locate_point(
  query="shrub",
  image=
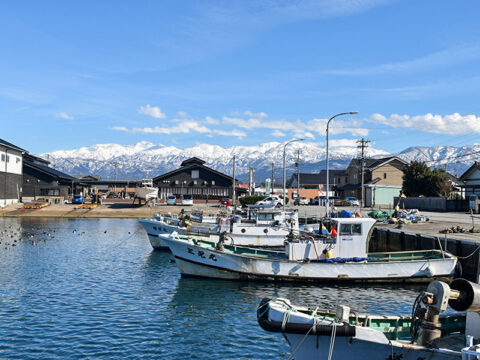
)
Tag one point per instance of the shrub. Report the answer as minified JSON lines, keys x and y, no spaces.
{"x":250,"y":200}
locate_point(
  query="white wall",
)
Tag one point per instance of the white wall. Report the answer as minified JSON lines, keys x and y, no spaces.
{"x":14,"y":163}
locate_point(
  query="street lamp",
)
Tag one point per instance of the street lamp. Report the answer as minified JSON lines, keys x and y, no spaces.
{"x":285,"y":171}
{"x":328,"y":169}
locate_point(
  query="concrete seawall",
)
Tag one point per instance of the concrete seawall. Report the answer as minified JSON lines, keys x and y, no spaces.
{"x":384,"y":239}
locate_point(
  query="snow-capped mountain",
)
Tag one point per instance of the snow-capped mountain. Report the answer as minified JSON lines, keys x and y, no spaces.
{"x":134,"y":160}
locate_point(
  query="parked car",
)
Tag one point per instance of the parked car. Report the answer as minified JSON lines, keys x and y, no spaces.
{"x":172,"y":200}
{"x":78,"y":199}
{"x":187,"y":200}
{"x":226,"y":201}
{"x":274,"y":201}
{"x":352,"y":201}
{"x":302,"y":200}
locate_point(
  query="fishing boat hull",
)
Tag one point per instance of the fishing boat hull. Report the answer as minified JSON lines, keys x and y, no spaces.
{"x":156,"y":228}
{"x":251,"y":237}
{"x":323,"y":335}
{"x":201,"y":261}
{"x":318,"y":347}
{"x":146,"y":192}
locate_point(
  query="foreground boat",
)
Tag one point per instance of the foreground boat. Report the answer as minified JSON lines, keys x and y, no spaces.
{"x":316,"y":334}
{"x":342,"y":258}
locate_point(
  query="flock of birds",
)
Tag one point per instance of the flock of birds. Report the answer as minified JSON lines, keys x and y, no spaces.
{"x":12,"y":235}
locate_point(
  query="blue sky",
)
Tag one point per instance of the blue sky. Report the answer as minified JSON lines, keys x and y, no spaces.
{"x":239,"y":72}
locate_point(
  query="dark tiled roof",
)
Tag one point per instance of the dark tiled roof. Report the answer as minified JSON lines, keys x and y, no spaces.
{"x":49,"y":170}
{"x":10,"y":145}
{"x":317,"y":178}
{"x":192,"y":160}
{"x":373,"y":163}
{"x":465,"y":175}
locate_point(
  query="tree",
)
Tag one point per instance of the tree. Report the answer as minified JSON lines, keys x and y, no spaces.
{"x":442,"y":184}
{"x":420,"y":180}
{"x":417,"y":179}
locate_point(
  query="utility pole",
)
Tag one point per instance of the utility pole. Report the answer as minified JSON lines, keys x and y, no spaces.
{"x":273,"y":179}
{"x":233,"y":198}
{"x":250,"y":180}
{"x":115,"y":181}
{"x":363,"y":145}
{"x":298,"y":175}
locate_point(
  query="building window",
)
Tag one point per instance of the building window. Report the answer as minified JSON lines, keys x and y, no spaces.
{"x":176,"y":182}
{"x":195,"y":174}
{"x":18,"y":160}
{"x":213,"y":182}
{"x":3,"y":157}
{"x":194,"y":182}
{"x":384,"y":175}
{"x":8,"y":158}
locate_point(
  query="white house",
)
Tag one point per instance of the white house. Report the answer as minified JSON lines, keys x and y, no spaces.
{"x":11,"y":173}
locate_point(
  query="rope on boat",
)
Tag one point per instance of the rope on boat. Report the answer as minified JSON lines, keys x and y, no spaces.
{"x":121,"y":242}
{"x":473,"y":252}
{"x":286,"y":317}
{"x":332,"y":340}
{"x":300,"y":343}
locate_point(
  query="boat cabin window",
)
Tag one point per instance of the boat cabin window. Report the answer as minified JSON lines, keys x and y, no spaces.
{"x":265,"y":216}
{"x":351,"y":229}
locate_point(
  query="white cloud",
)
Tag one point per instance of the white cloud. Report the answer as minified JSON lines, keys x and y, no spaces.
{"x":256,"y":115}
{"x":440,"y":59}
{"x":210,"y":120}
{"x":182,"y":114}
{"x":120,"y":128}
{"x":64,"y":115}
{"x":152,"y":111}
{"x":235,"y":132}
{"x":185,"y":127}
{"x":454,"y":124}
{"x":342,"y":143}
{"x":278,"y":133}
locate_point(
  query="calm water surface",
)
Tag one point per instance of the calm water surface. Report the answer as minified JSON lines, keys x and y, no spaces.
{"x":94,"y":288}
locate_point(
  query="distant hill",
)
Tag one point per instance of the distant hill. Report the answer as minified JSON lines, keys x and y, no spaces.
{"x":134,"y":160}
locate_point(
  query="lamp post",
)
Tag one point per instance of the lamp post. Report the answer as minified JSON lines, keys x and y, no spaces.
{"x":328,"y":169}
{"x":285,"y":171}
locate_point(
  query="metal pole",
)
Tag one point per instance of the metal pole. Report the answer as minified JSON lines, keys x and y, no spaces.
{"x":284,"y":174}
{"x":327,"y":208}
{"x":273,"y":180}
{"x":298,"y":176}
{"x":233,"y":199}
{"x":285,"y":171}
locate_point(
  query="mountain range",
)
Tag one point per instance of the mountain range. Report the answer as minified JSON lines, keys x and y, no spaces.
{"x":134,"y":161}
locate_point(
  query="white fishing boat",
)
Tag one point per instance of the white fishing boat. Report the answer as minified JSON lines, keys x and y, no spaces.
{"x":262,"y":228}
{"x":343,"y":257}
{"x":147,"y":191}
{"x":429,"y":333}
{"x":167,"y":224}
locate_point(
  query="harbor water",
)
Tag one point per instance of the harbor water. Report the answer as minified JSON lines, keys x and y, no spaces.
{"x":94,"y":288}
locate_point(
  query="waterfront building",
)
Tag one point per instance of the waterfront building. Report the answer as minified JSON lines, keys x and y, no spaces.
{"x":196,"y":179}
{"x":383,"y":180}
{"x":40,"y":180}
{"x":10,"y":173}
{"x":311,"y":184}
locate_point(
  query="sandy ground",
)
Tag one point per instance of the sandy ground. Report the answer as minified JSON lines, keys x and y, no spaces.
{"x":110,"y":210}
{"x":438,"y":221}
